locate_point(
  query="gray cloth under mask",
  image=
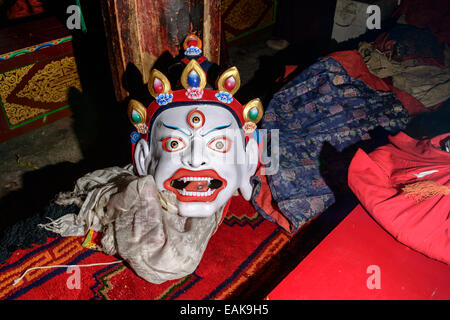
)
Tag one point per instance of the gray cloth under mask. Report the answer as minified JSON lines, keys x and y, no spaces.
{"x":138,"y":223}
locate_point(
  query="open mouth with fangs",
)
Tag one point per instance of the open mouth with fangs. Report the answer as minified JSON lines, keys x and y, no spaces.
{"x":195,"y":186}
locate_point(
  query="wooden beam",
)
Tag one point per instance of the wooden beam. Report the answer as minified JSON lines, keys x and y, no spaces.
{"x":140,"y":31}
{"x":212,"y":31}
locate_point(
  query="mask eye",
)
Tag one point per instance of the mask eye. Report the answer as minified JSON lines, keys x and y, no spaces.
{"x":172,"y":144}
{"x":221,"y":144}
{"x":196,"y":119}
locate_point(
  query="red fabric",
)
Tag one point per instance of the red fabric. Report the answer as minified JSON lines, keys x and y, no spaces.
{"x":288,"y":69}
{"x":340,"y":267}
{"x":355,"y":66}
{"x":265,"y":201}
{"x":199,"y":60}
{"x":377,"y":178}
{"x":431,"y":14}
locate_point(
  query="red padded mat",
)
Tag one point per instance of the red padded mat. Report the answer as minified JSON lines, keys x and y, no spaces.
{"x":360,"y":260}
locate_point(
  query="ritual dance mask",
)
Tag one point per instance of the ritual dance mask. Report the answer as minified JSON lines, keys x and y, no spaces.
{"x":199,"y":144}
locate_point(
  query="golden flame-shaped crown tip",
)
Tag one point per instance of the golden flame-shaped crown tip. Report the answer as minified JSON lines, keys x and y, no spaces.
{"x":158,"y":83}
{"x":137,"y":114}
{"x":229,"y":81}
{"x":253,"y":111}
{"x":193,"y":76}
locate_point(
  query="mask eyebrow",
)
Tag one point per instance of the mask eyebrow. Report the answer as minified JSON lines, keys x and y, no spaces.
{"x":177,"y":128}
{"x":216,"y":128}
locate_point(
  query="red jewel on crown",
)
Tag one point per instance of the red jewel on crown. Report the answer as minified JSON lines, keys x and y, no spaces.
{"x":230,"y":83}
{"x":158,"y":86}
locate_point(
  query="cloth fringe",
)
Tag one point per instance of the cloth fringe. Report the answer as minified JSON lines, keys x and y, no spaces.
{"x":422,"y":190}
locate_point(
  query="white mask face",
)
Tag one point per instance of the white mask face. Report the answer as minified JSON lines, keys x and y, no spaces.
{"x":199,"y":153}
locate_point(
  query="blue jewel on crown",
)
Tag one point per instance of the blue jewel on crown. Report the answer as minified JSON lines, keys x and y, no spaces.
{"x":164,"y":98}
{"x":224,"y":97}
{"x":193,"y":79}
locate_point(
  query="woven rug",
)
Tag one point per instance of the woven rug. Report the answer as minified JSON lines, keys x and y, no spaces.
{"x":238,"y":252}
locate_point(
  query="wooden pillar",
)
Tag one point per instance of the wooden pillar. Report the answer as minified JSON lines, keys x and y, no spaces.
{"x":139,"y":31}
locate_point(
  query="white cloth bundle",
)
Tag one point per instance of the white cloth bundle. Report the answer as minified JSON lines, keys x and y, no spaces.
{"x":138,"y":223}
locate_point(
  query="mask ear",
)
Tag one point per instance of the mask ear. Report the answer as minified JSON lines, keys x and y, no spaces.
{"x":141,"y":154}
{"x":249,"y":168}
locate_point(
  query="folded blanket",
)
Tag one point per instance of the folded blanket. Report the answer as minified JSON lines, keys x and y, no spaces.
{"x":322,"y":105}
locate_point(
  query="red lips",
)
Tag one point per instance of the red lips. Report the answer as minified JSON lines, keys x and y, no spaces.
{"x":195,"y":186}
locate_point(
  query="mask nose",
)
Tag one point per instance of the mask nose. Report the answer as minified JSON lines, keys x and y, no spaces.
{"x":195,"y":157}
